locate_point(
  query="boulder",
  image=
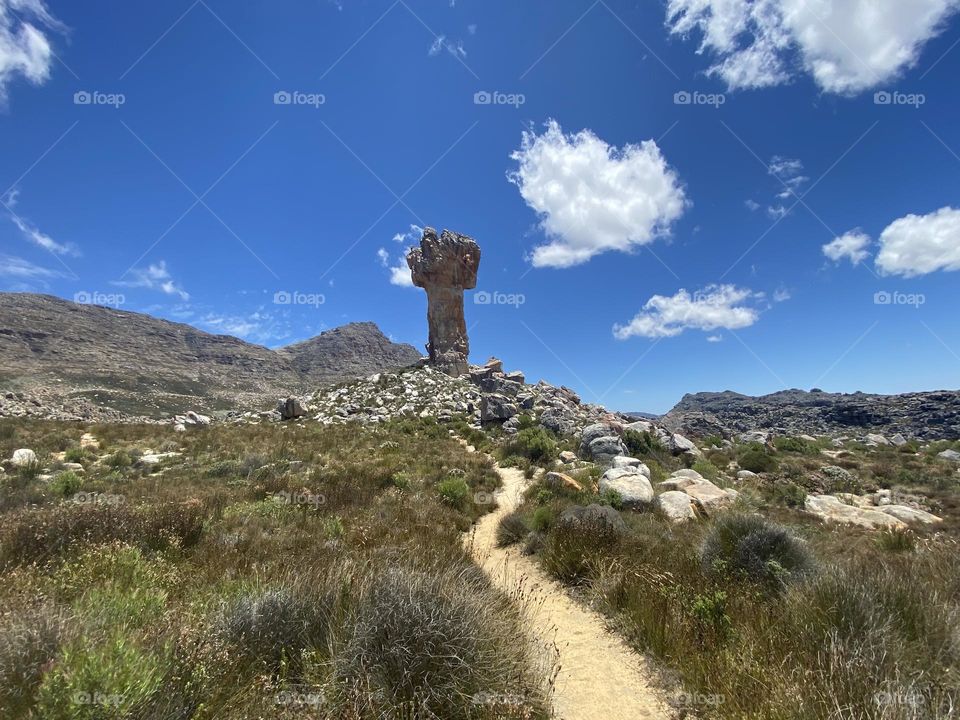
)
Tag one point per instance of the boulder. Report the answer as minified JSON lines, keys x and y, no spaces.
{"x":559,"y":481}
{"x":596,"y":430}
{"x":567,"y":457}
{"x":512,"y":425}
{"x":193,"y":418}
{"x":625,"y":461}
{"x":594,"y":515}
{"x":708,"y":497}
{"x":898,"y":440}
{"x":558,"y":421}
{"x":497,"y":408}
{"x":634,"y":488}
{"x":949,"y":455}
{"x":875,"y":439}
{"x":745,"y":475}
{"x":910,"y":515}
{"x":676,"y":506}
{"x":604,"y":449}
{"x":678,"y":445}
{"x":291,"y":409}
{"x":831,"y":509}
{"x":755,"y":436}
{"x":23,"y":457}
{"x":687,"y":473}
{"x":517,"y":376}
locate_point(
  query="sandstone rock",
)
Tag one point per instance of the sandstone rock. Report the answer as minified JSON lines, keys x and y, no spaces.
{"x":194,"y":418}
{"x":687,"y":473}
{"x":898,"y":440}
{"x":708,"y":497}
{"x":678,"y":445}
{"x":497,"y":408}
{"x":876,"y":439}
{"x":949,"y":455}
{"x":23,"y":457}
{"x":641,"y":426}
{"x":676,"y":506}
{"x":150,"y":459}
{"x":290,"y":408}
{"x":633,"y":487}
{"x":560,"y":481}
{"x":624,"y":461}
{"x":745,"y":475}
{"x":604,"y":449}
{"x":910,"y":515}
{"x":567,"y":457}
{"x":445,"y":266}
{"x":512,"y":425}
{"x":516,"y":376}
{"x":755,"y":436}
{"x":558,"y":421}
{"x":830,"y":508}
{"x":594,"y":515}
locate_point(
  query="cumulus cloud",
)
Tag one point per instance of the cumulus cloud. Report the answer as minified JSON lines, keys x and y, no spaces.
{"x":592,"y":197}
{"x":24,"y":48}
{"x":920,"y":244}
{"x":715,"y":307}
{"x":399,"y":271}
{"x":441,"y":43}
{"x":155,"y":276}
{"x":852,"y":246}
{"x":846,"y":46}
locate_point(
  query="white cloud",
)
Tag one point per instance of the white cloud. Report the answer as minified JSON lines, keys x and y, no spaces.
{"x":400,"y":274}
{"x":847,"y":46}
{"x":714,"y":338}
{"x":441,"y":43}
{"x":413,"y":235}
{"x":790,"y":173}
{"x":591,"y":197}
{"x":24,"y":48}
{"x":383,"y":256}
{"x":713,"y":308}
{"x":399,"y":271}
{"x":155,"y":277}
{"x":852,"y":246}
{"x":42,"y":240}
{"x":920,"y":244}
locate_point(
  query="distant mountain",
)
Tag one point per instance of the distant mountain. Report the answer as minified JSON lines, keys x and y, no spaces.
{"x":642,"y":415}
{"x":921,"y":415}
{"x":56,"y":352}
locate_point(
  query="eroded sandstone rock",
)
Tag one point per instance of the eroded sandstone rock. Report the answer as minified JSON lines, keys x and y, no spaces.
{"x":445,"y":265}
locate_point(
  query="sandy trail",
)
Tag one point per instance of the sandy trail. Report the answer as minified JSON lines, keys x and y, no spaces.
{"x":600,"y":677}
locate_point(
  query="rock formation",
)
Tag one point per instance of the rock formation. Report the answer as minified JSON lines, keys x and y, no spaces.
{"x":445,"y":266}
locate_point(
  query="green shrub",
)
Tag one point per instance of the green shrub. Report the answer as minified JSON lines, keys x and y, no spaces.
{"x":542,"y":519}
{"x":757,"y":458}
{"x":119,"y":460}
{"x":74,"y":455}
{"x":748,"y":547}
{"x":454,"y":492}
{"x":612,"y":498}
{"x":707,"y":469}
{"x":896,"y":540}
{"x":640,"y":444}
{"x":65,"y":484}
{"x":28,"y":646}
{"x":574,"y":545}
{"x":794,"y":445}
{"x":533,"y":443}
{"x":789,"y":494}
{"x":511,"y":529}
{"x":709,"y":611}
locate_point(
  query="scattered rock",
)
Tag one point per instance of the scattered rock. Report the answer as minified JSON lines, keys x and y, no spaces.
{"x":676,"y":506}
{"x":567,"y":457}
{"x":559,"y":481}
{"x":291,"y":409}
{"x":745,"y":475}
{"x":23,"y":457}
{"x":708,"y":497}
{"x":875,"y":439}
{"x":594,"y":515}
{"x":910,"y":515}
{"x":830,"y":508}
{"x":497,"y":408}
{"x":950,"y":455}
{"x":633,"y":487}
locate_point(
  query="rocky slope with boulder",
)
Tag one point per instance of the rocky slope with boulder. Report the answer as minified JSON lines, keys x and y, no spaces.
{"x":921,"y":415}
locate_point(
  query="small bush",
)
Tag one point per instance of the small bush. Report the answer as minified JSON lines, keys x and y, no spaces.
{"x":533,"y":443}
{"x":119,"y":460}
{"x":66,"y":484}
{"x":454,"y":492}
{"x":748,"y":547}
{"x":573,"y":545}
{"x":74,"y":455}
{"x":789,"y":494}
{"x":27,"y":647}
{"x":707,"y":469}
{"x":542,"y":519}
{"x":896,"y":541}
{"x":794,"y":445}
{"x":640,"y":444}
{"x":756,"y":458}
{"x":511,"y":529}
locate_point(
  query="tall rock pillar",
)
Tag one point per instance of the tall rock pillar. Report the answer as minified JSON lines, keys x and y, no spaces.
{"x":445,"y":266}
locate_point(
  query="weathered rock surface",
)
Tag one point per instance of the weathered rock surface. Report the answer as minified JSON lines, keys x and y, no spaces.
{"x":633,"y":487}
{"x":922,"y":415}
{"x":445,"y":265}
{"x":676,"y":506}
{"x":832,"y":509}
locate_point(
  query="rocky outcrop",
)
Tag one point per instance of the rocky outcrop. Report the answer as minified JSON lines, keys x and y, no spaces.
{"x":445,"y":266}
{"x":921,"y":416}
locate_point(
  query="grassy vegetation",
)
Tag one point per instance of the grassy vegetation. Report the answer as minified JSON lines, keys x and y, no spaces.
{"x":282,"y":571}
{"x":764,"y":612}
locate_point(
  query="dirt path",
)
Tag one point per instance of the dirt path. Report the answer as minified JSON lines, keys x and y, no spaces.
{"x":600,"y":677}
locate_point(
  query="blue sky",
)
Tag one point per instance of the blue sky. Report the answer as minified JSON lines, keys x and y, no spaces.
{"x":669,"y":196}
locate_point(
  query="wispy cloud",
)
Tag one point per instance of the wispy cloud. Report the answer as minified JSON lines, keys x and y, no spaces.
{"x":11,"y":266}
{"x":41,"y":239}
{"x":25,"y":50}
{"x":155,"y":276}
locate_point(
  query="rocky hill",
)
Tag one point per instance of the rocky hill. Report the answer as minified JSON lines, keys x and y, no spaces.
{"x":921,"y":415}
{"x":64,"y":359}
